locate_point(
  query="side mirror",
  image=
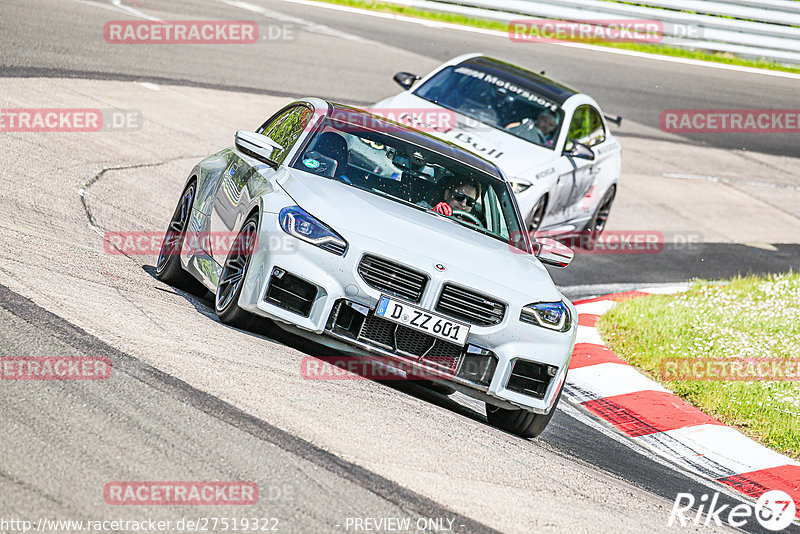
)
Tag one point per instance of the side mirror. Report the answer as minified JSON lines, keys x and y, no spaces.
{"x":405,"y":79}
{"x":258,"y":146}
{"x":551,"y":252}
{"x":578,"y":150}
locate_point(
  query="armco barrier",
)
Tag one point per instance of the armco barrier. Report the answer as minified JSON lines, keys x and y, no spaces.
{"x":768,"y":29}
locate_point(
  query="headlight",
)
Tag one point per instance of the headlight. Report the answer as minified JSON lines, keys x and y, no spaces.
{"x":519,"y":186}
{"x":552,"y":315}
{"x":296,"y":222}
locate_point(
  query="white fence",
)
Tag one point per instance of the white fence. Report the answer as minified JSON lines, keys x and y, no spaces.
{"x":767,"y":29}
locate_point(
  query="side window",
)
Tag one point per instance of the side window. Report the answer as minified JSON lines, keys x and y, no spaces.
{"x":286,"y":128}
{"x":587,"y":126}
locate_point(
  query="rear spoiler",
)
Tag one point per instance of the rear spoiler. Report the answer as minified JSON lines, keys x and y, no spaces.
{"x":616,"y":120}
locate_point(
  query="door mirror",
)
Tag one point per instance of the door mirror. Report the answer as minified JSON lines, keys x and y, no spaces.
{"x":258,"y":146}
{"x":551,"y":252}
{"x":405,"y":79}
{"x":578,"y":150}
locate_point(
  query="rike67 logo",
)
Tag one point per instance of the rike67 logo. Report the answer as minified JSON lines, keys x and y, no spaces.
{"x":775,"y":510}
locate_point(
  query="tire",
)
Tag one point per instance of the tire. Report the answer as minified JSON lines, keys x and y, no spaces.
{"x":597,"y":223}
{"x":231,"y":279}
{"x":523,"y":423}
{"x":168,"y":265}
{"x":537,"y":214}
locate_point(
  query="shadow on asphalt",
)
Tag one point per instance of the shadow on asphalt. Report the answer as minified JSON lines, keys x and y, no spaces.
{"x":680,"y":263}
{"x":421,"y":389}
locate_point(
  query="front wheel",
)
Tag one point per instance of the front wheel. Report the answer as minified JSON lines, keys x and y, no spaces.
{"x":231,"y":280}
{"x":537,"y":215}
{"x":523,"y":423}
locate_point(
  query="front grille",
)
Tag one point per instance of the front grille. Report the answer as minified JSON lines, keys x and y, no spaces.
{"x":347,"y":321}
{"x":529,"y":378}
{"x":392,"y":278}
{"x":470,"y":306}
{"x":406,"y":341}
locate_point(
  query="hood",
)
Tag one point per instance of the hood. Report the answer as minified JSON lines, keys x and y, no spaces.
{"x":515,"y":156}
{"x":417,"y":237}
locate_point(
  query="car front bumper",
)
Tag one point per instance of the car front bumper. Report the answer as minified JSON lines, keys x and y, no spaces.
{"x":337,"y":283}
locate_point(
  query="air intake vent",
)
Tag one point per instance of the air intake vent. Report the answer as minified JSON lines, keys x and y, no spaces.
{"x":392,"y":278}
{"x":530,"y":378}
{"x":469,"y":306}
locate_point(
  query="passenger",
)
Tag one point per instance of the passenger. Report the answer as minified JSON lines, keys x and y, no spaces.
{"x":541,"y":131}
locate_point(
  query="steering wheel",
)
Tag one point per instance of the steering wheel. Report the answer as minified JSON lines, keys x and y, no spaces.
{"x":468,"y":216}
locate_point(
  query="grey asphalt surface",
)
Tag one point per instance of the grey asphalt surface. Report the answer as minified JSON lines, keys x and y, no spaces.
{"x":183,"y":408}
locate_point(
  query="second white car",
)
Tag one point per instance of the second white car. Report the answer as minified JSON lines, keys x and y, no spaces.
{"x":552,"y":141}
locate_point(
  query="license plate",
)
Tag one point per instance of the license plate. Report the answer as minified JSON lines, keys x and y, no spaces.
{"x":422,"y":320}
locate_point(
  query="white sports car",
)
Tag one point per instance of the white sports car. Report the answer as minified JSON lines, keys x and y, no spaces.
{"x":336,"y":241}
{"x":552,"y":142}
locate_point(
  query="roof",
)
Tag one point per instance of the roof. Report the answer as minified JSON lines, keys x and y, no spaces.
{"x":427,"y":141}
{"x":538,"y":83}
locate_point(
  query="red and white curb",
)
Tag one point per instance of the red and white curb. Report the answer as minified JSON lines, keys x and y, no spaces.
{"x":651,"y":415}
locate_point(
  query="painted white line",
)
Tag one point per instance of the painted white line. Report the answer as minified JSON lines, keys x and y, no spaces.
{"x":666,"y":290}
{"x":308,"y":25}
{"x":727,"y":447}
{"x":595,"y":308}
{"x":588,"y":334}
{"x":580,"y":414}
{"x":116,"y":5}
{"x":609,"y":379}
{"x":151,"y":86}
{"x":132,"y":11}
{"x":504,"y":35}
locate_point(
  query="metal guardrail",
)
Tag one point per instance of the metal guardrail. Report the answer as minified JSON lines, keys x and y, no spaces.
{"x":768,"y":29}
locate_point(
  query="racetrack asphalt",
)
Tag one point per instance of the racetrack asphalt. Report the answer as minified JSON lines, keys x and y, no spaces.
{"x":378,"y":439}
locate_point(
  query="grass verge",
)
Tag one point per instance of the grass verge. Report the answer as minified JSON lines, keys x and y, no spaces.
{"x":720,"y":57}
{"x":748,"y":318}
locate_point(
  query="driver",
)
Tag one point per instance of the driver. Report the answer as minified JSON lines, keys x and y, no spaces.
{"x":540,"y":131}
{"x":461,"y":196}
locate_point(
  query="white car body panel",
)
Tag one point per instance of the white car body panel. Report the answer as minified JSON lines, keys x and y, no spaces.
{"x":574,"y":186}
{"x":384,"y":228}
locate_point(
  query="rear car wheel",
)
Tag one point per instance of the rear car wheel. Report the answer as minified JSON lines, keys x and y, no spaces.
{"x":598,"y":221}
{"x":168,"y":266}
{"x":523,"y":423}
{"x":231,"y":280}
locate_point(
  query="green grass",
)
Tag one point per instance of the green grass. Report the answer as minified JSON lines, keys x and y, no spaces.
{"x":726,"y":58}
{"x":750,"y":317}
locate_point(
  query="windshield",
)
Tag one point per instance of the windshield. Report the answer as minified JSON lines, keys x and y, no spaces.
{"x":379,"y":162}
{"x":496,"y":102}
